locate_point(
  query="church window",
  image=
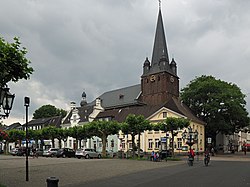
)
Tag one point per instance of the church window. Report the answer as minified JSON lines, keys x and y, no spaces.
{"x":164,"y":114}
{"x":159,"y":78}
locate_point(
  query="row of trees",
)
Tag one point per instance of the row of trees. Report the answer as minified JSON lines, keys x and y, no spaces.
{"x":133,"y":125}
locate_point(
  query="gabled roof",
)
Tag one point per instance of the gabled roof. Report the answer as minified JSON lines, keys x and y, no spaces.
{"x":54,"y":121}
{"x":13,"y":126}
{"x":83,"y":112}
{"x":173,"y":104}
{"x":122,"y":97}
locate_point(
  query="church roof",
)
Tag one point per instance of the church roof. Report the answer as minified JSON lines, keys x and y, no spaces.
{"x":160,"y":45}
{"x":121,"y":97}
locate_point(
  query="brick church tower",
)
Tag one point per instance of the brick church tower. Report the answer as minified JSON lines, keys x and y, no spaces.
{"x":159,"y":81}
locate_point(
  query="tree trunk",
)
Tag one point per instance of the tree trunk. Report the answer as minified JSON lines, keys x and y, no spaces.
{"x":172,"y":143}
{"x":139,"y":145}
{"x":104,"y":142}
{"x":53,"y":143}
{"x":133,"y":144}
{"x":60,"y":143}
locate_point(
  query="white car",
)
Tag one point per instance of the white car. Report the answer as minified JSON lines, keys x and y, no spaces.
{"x":14,"y":151}
{"x":87,"y":153}
{"x":51,"y":152}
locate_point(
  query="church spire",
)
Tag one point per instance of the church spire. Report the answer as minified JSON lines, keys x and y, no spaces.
{"x":160,"y":46}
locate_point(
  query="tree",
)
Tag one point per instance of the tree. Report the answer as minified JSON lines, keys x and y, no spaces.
{"x":142,"y":125}
{"x":103,"y":129}
{"x":16,"y":136}
{"x":218,"y":103}
{"x":134,"y":125}
{"x":13,"y":63}
{"x":46,"y":111}
{"x":51,"y":133}
{"x":74,"y":133}
{"x":172,"y":124}
{"x":35,"y":135}
{"x":3,"y":135}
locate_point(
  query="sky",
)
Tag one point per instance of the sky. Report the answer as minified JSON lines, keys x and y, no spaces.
{"x":100,"y":45}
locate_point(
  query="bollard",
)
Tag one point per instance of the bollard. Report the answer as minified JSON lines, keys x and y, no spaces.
{"x":52,"y":182}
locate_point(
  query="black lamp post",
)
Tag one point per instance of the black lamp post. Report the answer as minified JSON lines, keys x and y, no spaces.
{"x":6,"y":101}
{"x":191,"y":137}
{"x":26,"y":104}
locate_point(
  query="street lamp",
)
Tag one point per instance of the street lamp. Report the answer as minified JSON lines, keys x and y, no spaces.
{"x":26,"y":104}
{"x":6,"y":101}
{"x":191,"y":137}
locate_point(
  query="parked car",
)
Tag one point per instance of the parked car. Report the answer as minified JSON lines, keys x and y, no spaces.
{"x":111,"y":153}
{"x":65,"y":152}
{"x":13,"y":151}
{"x":39,"y":152}
{"x":129,"y":153}
{"x":1,"y":151}
{"x":51,"y":152}
{"x":87,"y":153}
{"x":22,"y":151}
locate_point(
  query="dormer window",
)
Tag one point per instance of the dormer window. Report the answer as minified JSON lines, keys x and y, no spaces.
{"x":121,"y":96}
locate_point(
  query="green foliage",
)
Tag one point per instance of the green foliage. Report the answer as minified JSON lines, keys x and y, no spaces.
{"x":46,"y":111}
{"x":16,"y":135}
{"x":103,"y":129}
{"x":218,"y":103}
{"x":135,"y":125}
{"x":13,"y":63}
{"x":172,"y":124}
{"x":51,"y":133}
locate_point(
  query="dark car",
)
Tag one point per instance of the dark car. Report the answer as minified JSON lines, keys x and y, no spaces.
{"x":65,"y":152}
{"x":39,"y":152}
{"x":1,"y":151}
{"x":22,"y":151}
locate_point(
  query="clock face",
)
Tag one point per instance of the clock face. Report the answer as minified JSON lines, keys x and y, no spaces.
{"x":152,"y":78}
{"x":171,"y":79}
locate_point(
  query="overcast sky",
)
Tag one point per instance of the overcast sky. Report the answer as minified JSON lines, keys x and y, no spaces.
{"x":100,"y":45}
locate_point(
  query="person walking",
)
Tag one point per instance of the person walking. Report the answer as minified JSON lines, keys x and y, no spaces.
{"x":152,"y":156}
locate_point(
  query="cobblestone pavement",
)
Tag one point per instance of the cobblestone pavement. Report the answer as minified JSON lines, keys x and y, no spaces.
{"x":72,"y":171}
{"x":69,"y":170}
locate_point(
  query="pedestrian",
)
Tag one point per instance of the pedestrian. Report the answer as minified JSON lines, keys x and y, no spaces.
{"x":34,"y":152}
{"x":191,"y":153}
{"x":152,"y":156}
{"x":245,"y":150}
{"x":155,"y":157}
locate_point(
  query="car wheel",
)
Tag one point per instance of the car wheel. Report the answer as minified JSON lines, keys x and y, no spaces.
{"x":63,"y":155}
{"x":87,"y":156}
{"x":79,"y":157}
{"x":99,"y":156}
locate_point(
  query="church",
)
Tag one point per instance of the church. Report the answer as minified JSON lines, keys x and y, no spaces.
{"x":156,"y":98}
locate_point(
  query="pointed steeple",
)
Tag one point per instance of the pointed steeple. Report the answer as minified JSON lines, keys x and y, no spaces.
{"x":160,"y":46}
